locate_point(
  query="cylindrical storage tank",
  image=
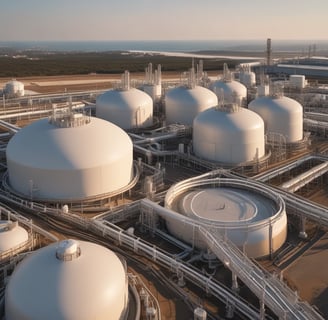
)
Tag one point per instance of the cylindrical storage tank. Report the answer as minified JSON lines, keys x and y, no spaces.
{"x":11,"y":235}
{"x":281,"y":115}
{"x":74,"y":280}
{"x":153,"y":90}
{"x":182,"y":104}
{"x":14,"y":88}
{"x":127,"y":109}
{"x":200,"y":314}
{"x":58,"y":160}
{"x":231,"y":90}
{"x":252,"y":217}
{"x":248,"y":79}
{"x":297,"y":81}
{"x":263,"y":90}
{"x":228,"y":134}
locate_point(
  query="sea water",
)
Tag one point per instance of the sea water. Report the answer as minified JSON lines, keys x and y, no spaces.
{"x":173,"y":46}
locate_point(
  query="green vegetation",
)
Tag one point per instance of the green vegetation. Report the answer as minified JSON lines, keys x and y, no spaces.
{"x":51,"y":64}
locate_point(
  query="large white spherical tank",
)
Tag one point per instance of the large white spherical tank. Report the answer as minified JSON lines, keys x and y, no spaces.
{"x":228,"y":136}
{"x":68,"y":280}
{"x":252,"y":218}
{"x":11,"y":235}
{"x":230,"y":90}
{"x":14,"y":88}
{"x":50,"y":162}
{"x":182,"y":104}
{"x":281,"y":115}
{"x":128,"y":109}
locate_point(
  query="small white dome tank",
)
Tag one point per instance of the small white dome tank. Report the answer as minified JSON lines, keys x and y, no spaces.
{"x":183,"y":103}
{"x":248,"y":79}
{"x":281,"y":115}
{"x":229,"y":90}
{"x":74,"y":280}
{"x":69,"y":157}
{"x":14,"y":88}
{"x":252,"y":217}
{"x":11,"y":235}
{"x":228,"y":134}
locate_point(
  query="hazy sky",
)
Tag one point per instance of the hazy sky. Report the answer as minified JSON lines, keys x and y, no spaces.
{"x":162,"y":20}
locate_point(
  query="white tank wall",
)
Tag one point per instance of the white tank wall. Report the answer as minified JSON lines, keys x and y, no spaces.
{"x":69,"y":163}
{"x":247,"y":78}
{"x":153,"y":90}
{"x":182,"y":104}
{"x":91,"y":286}
{"x":281,"y":115}
{"x":128,"y":109}
{"x":229,"y":137}
{"x":11,"y":235}
{"x":230,"y":90}
{"x":256,"y":238}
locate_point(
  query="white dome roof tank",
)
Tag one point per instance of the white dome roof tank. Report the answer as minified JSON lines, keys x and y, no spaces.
{"x":72,"y":279}
{"x":126,"y":107}
{"x":11,"y":235}
{"x":228,"y":134}
{"x":281,"y":115}
{"x":69,"y":157}
{"x":183,"y":103}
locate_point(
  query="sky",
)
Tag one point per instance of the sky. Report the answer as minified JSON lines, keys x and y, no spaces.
{"x":61,"y":20}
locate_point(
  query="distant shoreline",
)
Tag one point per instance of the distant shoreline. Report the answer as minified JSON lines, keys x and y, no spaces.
{"x":165,"y":45}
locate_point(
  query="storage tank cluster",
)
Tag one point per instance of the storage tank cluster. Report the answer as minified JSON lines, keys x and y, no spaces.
{"x":229,"y":90}
{"x":254,"y":219}
{"x":246,"y":76}
{"x":14,"y":89}
{"x":71,"y":279}
{"x":69,"y":157}
{"x":12,"y":236}
{"x":126,"y":107}
{"x":153,"y":82}
{"x":185,"y":102}
{"x":281,"y":115}
{"x":228,"y":134}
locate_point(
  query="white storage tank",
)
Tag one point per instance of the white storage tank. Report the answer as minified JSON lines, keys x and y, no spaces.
{"x":281,"y":115}
{"x":126,"y":107}
{"x":248,"y":79}
{"x":74,"y":280}
{"x":11,"y":235}
{"x":183,"y":103}
{"x":229,"y":90}
{"x":228,"y":134}
{"x":250,"y":216}
{"x":153,"y":82}
{"x":14,"y":89}
{"x":297,"y":81}
{"x":246,"y":76}
{"x":69,"y":157}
